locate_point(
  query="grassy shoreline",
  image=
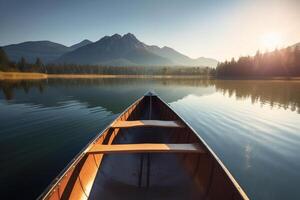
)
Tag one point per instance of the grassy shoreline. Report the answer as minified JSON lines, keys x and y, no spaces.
{"x":31,"y":76}
{"x":21,"y":76}
{"x":38,"y":76}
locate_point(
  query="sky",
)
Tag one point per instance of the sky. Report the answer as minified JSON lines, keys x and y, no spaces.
{"x":215,"y":29}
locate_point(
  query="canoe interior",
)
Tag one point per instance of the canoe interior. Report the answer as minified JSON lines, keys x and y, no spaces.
{"x":162,"y":175}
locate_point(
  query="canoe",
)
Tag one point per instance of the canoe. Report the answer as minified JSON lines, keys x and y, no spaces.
{"x":148,"y":152}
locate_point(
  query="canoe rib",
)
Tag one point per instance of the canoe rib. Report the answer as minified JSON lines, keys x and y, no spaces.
{"x":146,"y":148}
{"x":147,"y":123}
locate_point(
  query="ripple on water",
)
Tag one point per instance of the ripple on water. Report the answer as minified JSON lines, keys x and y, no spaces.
{"x":248,"y":135}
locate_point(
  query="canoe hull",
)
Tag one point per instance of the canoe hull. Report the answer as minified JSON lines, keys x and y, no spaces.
{"x":146,"y":175}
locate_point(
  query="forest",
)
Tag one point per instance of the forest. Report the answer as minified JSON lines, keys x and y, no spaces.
{"x":283,"y":62}
{"x":22,"y":66}
{"x":278,"y":63}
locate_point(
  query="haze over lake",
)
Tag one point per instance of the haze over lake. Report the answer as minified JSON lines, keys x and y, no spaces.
{"x":253,"y":126}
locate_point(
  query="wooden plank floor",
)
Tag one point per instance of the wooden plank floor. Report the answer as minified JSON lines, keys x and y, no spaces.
{"x":147,"y":148}
{"x":151,"y":123}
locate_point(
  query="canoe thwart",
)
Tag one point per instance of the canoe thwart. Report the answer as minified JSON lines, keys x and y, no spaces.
{"x":147,"y":148}
{"x":149,"y":123}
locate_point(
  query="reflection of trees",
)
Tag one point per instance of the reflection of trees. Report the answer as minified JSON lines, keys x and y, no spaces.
{"x":130,"y":81}
{"x":8,"y":87}
{"x":8,"y":92}
{"x":285,"y":94}
{"x":113,"y":94}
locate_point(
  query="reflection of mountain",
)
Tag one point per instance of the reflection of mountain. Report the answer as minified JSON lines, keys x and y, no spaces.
{"x":113,"y":94}
{"x":116,"y":94}
{"x":284,"y":94}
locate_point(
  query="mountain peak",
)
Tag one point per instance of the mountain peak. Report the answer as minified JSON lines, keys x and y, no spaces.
{"x":117,"y":36}
{"x":86,"y":41}
{"x":167,"y":48}
{"x":129,"y":35}
{"x":129,"y":38}
{"x":80,"y":44}
{"x":112,"y":37}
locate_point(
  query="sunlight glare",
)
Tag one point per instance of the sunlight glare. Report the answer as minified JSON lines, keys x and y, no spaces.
{"x":271,"y":40}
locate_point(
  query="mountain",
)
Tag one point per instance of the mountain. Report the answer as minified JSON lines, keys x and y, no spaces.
{"x":114,"y":50}
{"x":180,"y":59}
{"x":80,"y":44}
{"x":171,"y":54}
{"x":126,"y":50}
{"x":47,"y":51}
{"x":206,"y":62}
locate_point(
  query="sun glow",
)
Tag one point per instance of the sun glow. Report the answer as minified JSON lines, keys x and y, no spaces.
{"x":271,"y":40}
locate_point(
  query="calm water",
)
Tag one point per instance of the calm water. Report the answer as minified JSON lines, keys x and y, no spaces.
{"x":253,"y":126}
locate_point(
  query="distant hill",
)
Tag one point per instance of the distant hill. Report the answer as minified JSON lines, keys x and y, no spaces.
{"x":115,"y":50}
{"x":47,"y":51}
{"x":180,"y":59}
{"x":206,"y":61}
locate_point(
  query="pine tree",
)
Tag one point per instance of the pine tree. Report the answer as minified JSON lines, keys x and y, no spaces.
{"x":22,"y":64}
{"x":4,"y":61}
{"x":297,"y":60}
{"x":38,"y":63}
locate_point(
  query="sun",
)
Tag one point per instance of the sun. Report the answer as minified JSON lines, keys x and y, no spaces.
{"x":271,"y":40}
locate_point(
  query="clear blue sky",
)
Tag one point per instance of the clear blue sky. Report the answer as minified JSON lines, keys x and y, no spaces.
{"x":218,"y":29}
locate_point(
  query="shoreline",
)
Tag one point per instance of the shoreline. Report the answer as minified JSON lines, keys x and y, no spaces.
{"x":41,"y":76}
{"x":258,"y":78}
{"x":37,"y":76}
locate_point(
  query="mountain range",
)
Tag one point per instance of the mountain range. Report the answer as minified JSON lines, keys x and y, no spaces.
{"x":115,"y":50}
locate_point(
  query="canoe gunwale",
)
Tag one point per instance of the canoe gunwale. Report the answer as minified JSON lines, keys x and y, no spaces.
{"x":81,"y":154}
{"x":209,"y":150}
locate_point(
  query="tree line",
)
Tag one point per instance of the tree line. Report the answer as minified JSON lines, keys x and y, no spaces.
{"x":23,"y":66}
{"x":283,"y":62}
{"x":125,"y":70}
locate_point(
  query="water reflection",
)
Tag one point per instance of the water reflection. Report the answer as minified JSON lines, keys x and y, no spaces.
{"x":108,"y":92}
{"x":9,"y":86}
{"x":259,"y":145}
{"x":43,"y":124}
{"x":112,"y":94}
{"x":284,"y":94}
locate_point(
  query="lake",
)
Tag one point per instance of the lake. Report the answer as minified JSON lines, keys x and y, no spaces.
{"x":253,"y":126}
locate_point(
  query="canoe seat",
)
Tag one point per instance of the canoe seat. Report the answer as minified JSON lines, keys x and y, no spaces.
{"x":148,"y":123}
{"x":146,"y":148}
